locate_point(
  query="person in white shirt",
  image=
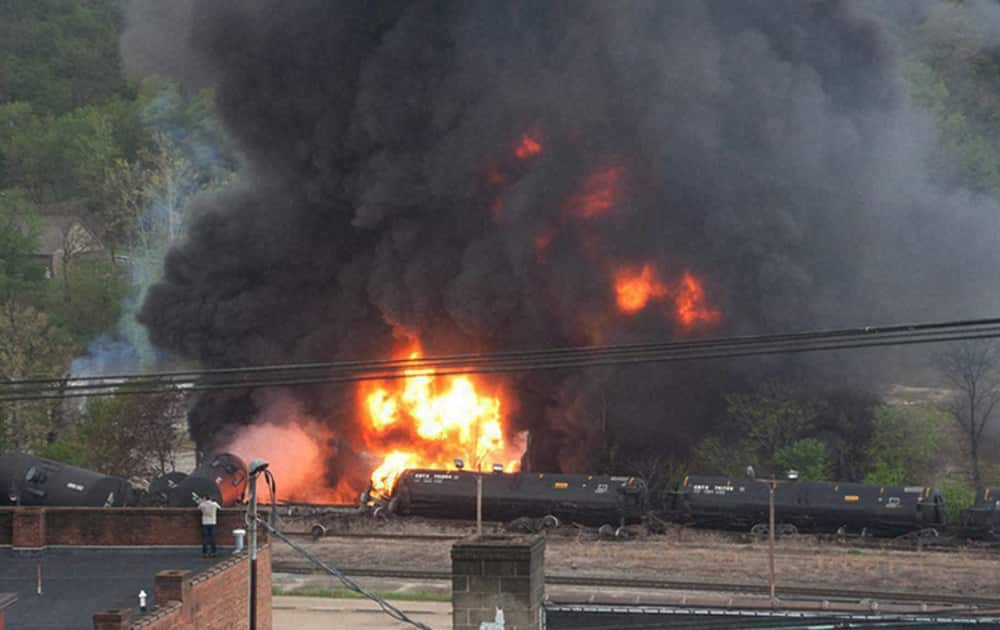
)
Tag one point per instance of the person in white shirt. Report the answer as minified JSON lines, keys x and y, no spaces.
{"x":209,"y":509}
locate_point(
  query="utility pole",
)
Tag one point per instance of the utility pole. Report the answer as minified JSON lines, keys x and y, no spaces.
{"x":772,"y":484}
{"x":257,"y":466}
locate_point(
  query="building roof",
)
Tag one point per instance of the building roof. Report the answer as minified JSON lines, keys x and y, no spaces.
{"x":77,"y":582}
{"x":59,"y":230}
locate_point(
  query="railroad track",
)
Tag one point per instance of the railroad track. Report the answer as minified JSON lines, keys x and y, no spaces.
{"x":315,"y":513}
{"x":944,"y":547}
{"x":377,"y":536}
{"x":304,"y":568}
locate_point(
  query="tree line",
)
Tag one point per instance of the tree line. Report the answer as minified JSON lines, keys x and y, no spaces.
{"x":91,"y":164}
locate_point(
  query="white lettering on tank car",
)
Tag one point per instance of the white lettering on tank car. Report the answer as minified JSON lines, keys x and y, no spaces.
{"x":74,"y":486}
{"x":702,"y":488}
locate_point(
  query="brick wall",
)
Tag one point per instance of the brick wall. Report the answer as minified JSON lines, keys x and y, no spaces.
{"x":6,"y":526}
{"x":29,"y":528}
{"x":497,"y":572}
{"x":213,"y":600}
{"x":37,"y":527}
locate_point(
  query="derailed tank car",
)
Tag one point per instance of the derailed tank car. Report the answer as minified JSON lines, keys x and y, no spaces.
{"x":816,"y":506}
{"x":584,"y":499}
{"x":29,"y":480}
{"x":221,"y":477}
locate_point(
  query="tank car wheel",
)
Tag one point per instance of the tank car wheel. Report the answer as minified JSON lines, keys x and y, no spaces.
{"x":393,"y":507}
{"x":606,"y":531}
{"x":317,"y":531}
{"x":549,"y":522}
{"x":522,"y":525}
{"x":759,"y":530}
{"x":622,"y":534}
{"x":380,"y":513}
{"x":787,"y":529}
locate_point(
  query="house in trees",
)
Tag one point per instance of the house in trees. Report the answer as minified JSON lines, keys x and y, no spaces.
{"x":64,"y":238}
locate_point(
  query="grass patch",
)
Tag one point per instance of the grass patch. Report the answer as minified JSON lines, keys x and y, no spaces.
{"x":343,"y":593}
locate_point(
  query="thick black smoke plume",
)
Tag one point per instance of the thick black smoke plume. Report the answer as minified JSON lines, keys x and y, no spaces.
{"x":767,"y":147}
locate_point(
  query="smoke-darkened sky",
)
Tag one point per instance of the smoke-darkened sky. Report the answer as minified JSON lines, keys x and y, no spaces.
{"x":767,"y":148}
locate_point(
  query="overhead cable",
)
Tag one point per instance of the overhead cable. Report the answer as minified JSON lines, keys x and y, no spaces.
{"x":515,"y":361}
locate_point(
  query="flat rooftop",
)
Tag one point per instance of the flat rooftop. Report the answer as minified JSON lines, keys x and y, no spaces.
{"x":77,"y":582}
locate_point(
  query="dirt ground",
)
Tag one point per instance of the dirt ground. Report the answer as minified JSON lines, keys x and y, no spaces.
{"x":685,"y":554}
{"x":308,"y":613}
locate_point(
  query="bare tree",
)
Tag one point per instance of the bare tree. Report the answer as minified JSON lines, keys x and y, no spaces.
{"x":973,"y":369}
{"x":135,"y":437}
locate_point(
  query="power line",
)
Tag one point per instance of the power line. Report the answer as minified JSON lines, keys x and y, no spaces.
{"x":610,"y":355}
{"x":544,"y":359}
{"x":418,"y":362}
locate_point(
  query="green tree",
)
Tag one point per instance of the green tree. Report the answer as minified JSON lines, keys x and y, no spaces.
{"x":60,"y":55}
{"x":30,"y":346}
{"x":82,"y":145}
{"x":22,"y":158}
{"x":771,"y":418}
{"x":135,"y":437}
{"x":55,"y":159}
{"x":21,"y":272}
{"x":957,"y":497}
{"x":905,"y":446}
{"x":809,"y":457}
{"x":955,"y":78}
{"x":89,"y":302}
{"x":714,"y":456}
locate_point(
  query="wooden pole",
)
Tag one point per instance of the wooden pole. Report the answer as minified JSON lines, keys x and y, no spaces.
{"x":479,"y":504}
{"x":770,"y":537}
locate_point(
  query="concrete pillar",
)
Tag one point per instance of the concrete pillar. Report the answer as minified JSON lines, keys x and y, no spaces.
{"x":171,"y":586}
{"x":29,"y":528}
{"x":116,"y":619}
{"x":505,"y":572}
{"x":174,"y":586}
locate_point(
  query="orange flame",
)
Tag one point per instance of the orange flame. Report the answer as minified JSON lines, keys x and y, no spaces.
{"x":529,"y":146}
{"x":426,"y":421}
{"x":690,"y":303}
{"x":295,"y":451}
{"x":597,"y":195}
{"x":635,"y":288}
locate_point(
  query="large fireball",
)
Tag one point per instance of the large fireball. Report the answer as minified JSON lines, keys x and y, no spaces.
{"x":428,"y":421}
